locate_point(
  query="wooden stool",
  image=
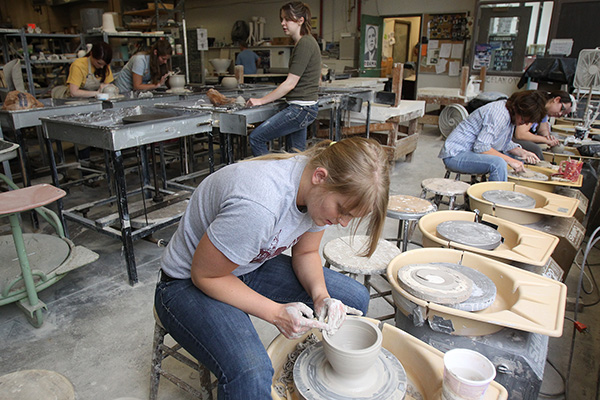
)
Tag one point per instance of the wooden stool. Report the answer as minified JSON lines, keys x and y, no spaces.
{"x":441,"y":187}
{"x":408,"y":210}
{"x":32,"y":262}
{"x":343,"y":254}
{"x":162,"y":351}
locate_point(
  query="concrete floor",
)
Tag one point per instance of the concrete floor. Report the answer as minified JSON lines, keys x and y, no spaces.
{"x":98,"y":329}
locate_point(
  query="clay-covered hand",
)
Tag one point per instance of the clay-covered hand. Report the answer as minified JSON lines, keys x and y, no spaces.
{"x":335,"y":311}
{"x":516,"y":165}
{"x":552,"y":141}
{"x":296,"y":319}
{"x":530,"y":158}
{"x":164,"y":79}
{"x":253,"y":102}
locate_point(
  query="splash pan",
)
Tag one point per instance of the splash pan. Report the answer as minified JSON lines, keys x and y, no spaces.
{"x":546,"y":204}
{"x":423,"y":363}
{"x":547,"y":185}
{"x":524,"y":300}
{"x":521,"y":244}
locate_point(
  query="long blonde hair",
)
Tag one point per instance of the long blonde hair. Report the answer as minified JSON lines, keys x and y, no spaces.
{"x":357,"y":169}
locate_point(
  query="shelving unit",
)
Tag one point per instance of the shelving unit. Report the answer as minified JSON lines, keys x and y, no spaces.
{"x":57,"y":44}
{"x":165,"y":16}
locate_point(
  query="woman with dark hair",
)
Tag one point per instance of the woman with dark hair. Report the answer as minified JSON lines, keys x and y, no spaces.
{"x":89,"y":74}
{"x":300,"y":88}
{"x":481,"y":144}
{"x":558,"y":104}
{"x":146,"y":71}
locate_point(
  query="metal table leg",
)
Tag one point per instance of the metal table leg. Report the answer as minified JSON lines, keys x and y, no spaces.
{"x":121,"y":193}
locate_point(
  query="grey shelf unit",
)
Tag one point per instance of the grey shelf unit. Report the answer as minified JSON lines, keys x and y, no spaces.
{"x":61,"y":39}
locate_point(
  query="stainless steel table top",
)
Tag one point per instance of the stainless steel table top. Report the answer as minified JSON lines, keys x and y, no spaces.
{"x":19,"y":119}
{"x":106,"y":130}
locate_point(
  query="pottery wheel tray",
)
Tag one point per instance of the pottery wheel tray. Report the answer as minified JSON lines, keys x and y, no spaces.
{"x":546,"y":203}
{"x":424,"y":365}
{"x":520,"y":243}
{"x":524,"y":300}
{"x":8,"y":150}
{"x":541,"y":178}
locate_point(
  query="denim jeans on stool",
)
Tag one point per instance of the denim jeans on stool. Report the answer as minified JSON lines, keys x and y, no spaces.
{"x":469,"y":162}
{"x":292,"y":122}
{"x":223,"y":338}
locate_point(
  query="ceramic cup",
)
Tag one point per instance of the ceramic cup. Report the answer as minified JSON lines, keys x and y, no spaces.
{"x":229,"y":82}
{"x":354,"y":348}
{"x":177,"y":82}
{"x":467,"y":375}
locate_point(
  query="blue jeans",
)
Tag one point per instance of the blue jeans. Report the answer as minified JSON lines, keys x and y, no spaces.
{"x":223,"y":337}
{"x":469,"y":162}
{"x":292,"y":121}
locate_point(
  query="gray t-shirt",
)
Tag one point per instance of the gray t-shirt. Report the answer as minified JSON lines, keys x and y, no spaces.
{"x":248,"y":210}
{"x":139,"y":64}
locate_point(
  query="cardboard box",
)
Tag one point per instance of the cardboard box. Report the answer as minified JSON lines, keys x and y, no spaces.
{"x":576,"y":194}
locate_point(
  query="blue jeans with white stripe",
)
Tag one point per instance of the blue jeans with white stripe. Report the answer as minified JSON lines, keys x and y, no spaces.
{"x":223,"y":337}
{"x":293,"y":122}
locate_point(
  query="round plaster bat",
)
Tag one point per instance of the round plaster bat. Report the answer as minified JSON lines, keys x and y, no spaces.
{"x":472,"y":234}
{"x":436,"y":283}
{"x":509,"y":198}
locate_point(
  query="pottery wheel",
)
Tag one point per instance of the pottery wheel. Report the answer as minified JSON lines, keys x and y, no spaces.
{"x":483,"y":293}
{"x":470,"y":234}
{"x":529,"y":174}
{"x":435,"y":282}
{"x":509,"y":198}
{"x":315,"y":379}
{"x":132,"y":119}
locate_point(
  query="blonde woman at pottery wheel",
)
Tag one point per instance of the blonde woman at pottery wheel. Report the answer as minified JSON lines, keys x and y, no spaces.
{"x":225,"y":262}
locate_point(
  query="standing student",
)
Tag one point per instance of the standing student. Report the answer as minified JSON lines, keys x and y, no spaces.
{"x":146,"y":71}
{"x":226,"y":262}
{"x":300,"y":88}
{"x":88,"y":75}
{"x":249,"y":59}
{"x":482,"y":143}
{"x":558,"y":104}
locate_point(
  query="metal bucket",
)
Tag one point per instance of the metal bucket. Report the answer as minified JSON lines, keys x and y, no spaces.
{"x":90,"y":18}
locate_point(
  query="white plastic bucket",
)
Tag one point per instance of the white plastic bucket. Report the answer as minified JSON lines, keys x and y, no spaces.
{"x":467,"y":375}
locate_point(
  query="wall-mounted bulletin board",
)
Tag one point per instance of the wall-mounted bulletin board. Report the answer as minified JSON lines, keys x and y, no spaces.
{"x":446,"y":42}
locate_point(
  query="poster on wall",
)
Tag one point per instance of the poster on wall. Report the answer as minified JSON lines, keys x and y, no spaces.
{"x":370,"y":56}
{"x":483,"y":55}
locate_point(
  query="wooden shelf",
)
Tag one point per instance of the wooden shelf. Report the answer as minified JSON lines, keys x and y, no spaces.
{"x":147,"y":12}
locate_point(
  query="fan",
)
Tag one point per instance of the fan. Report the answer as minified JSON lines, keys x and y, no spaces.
{"x":587,"y":74}
{"x":450,"y":117}
{"x":587,"y":77}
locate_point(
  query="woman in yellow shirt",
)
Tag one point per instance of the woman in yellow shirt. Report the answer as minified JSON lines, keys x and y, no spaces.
{"x":88,"y":75}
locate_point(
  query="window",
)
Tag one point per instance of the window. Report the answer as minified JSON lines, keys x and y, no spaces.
{"x":509,"y":36}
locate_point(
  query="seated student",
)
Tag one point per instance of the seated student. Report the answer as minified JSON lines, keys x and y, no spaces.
{"x":146,"y":71}
{"x":481,"y":144}
{"x":249,"y":59}
{"x":558,"y":104}
{"x":228,"y":259}
{"x":88,"y":75}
